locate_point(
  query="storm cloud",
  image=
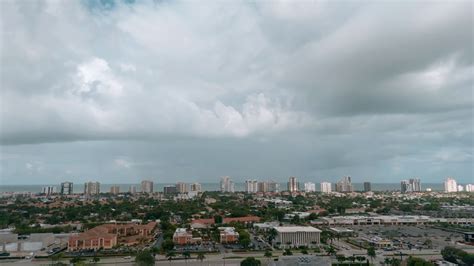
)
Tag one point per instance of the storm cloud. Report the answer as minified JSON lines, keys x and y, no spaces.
{"x":121,"y":90}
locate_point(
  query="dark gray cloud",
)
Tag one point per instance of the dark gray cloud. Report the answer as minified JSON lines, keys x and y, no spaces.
{"x":174,"y":89}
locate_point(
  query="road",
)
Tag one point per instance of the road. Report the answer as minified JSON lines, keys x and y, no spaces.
{"x":228,"y":259}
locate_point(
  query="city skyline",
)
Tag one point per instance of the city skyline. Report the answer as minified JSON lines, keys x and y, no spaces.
{"x":241,"y":180}
{"x":316,"y":90}
{"x":226,"y":184}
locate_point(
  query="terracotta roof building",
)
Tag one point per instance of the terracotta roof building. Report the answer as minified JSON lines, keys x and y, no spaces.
{"x":107,"y":236}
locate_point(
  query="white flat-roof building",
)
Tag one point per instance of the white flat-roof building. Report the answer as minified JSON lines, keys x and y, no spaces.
{"x":309,"y":187}
{"x":389,"y":220}
{"x":297,"y":236}
{"x":326,"y":187}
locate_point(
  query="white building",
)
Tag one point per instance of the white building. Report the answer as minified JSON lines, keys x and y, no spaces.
{"x":293,"y":185}
{"x":344,"y":185}
{"x":49,"y":190}
{"x":450,"y":185}
{"x":226,"y":184}
{"x":181,"y":187}
{"x":196,"y":187}
{"x":92,"y":188}
{"x":147,"y":186}
{"x":132,"y":189}
{"x":460,"y":188}
{"x":251,"y":186}
{"x":309,"y":187}
{"x":114,"y":190}
{"x":66,"y":188}
{"x":297,"y":236}
{"x":469,"y":188}
{"x":326,"y":187}
{"x":262,"y":186}
{"x":273,"y":186}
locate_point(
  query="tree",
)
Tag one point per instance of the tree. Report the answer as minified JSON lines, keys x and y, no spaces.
{"x":200,"y":257}
{"x":340,"y":258}
{"x":186,"y":255}
{"x":296,"y":219}
{"x":360,"y":259}
{"x":167,"y":245}
{"x":76,"y":260}
{"x":371,"y":252}
{"x":312,"y":216}
{"x":287,"y":252}
{"x":154,"y":250}
{"x":395,"y":262}
{"x":218,"y":219}
{"x":144,"y":258}
{"x":272,"y":233}
{"x":244,"y":238}
{"x":452,"y":254}
{"x":250,"y":261}
{"x":268,"y":254}
{"x":170,"y":255}
{"x":351,"y":258}
{"x":331,"y":250}
{"x":418,"y":262}
{"x":468,"y":259}
{"x":56,"y":257}
{"x":95,"y":259}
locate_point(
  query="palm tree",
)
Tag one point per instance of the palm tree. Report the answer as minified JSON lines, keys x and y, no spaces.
{"x":371,"y":253}
{"x":170,"y":255}
{"x":268,"y":255}
{"x":154,"y":251}
{"x":340,"y":259}
{"x":360,"y":259}
{"x":201,"y":257}
{"x":186,"y":255}
{"x":331,"y":250}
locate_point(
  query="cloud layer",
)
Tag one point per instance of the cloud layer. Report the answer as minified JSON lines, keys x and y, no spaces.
{"x":323,"y":89}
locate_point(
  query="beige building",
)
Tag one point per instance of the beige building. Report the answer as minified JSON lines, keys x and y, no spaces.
{"x":114,"y":190}
{"x":293,"y":185}
{"x":196,"y":187}
{"x":92,"y":188}
{"x":181,"y":187}
{"x":297,"y":236}
{"x":147,"y":186}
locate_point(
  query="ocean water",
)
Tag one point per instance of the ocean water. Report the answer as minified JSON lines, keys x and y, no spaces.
{"x":158,"y":187}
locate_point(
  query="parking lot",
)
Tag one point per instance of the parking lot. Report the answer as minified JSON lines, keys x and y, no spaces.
{"x":411,"y":237}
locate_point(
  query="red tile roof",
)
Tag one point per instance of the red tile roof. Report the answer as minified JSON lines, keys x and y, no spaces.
{"x":244,"y":219}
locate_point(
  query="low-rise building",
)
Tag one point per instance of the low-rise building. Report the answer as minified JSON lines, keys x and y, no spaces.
{"x":296,"y":236}
{"x":228,"y":235}
{"x":341,"y":231}
{"x":107,"y":236}
{"x":378,"y":242}
{"x":182,"y":236}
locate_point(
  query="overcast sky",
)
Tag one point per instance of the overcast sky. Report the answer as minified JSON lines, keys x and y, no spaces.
{"x":118,"y":91}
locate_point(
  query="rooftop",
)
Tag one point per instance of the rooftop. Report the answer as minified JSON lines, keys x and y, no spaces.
{"x":294,"y":229}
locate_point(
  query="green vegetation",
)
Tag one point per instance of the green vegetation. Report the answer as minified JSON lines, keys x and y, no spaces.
{"x":418,"y":262}
{"x":244,"y":238}
{"x":250,"y":261}
{"x":144,"y":258}
{"x":456,"y":255}
{"x":371,"y":252}
{"x":287,"y":252}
